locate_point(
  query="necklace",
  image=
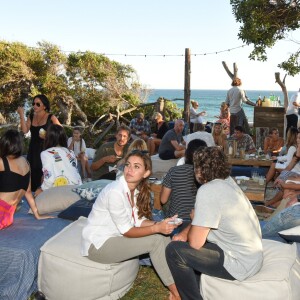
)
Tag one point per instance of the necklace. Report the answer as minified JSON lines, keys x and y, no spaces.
{"x":39,"y":121}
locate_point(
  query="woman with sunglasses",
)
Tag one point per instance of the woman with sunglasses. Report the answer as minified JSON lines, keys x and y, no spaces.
{"x":37,"y":123}
{"x":119,"y":226}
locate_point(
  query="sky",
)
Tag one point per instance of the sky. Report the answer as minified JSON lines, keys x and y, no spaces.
{"x":156,"y":27}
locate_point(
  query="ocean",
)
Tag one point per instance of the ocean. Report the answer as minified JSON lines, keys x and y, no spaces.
{"x":210,"y":100}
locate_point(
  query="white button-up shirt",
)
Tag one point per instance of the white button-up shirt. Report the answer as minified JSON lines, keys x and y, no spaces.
{"x":111,"y":215}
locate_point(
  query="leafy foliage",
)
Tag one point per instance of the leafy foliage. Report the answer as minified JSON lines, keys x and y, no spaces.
{"x":96,"y":84}
{"x":264,"y":22}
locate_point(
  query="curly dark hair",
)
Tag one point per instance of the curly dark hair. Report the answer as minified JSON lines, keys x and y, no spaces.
{"x":143,"y":198}
{"x":210,"y":163}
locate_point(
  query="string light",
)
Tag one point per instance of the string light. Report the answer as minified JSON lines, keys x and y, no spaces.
{"x":170,"y":55}
{"x":150,"y":55}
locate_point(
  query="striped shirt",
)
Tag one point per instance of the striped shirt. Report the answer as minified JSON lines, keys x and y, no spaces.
{"x":181,"y":181}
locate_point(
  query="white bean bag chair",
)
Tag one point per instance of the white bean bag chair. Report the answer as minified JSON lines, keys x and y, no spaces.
{"x":160,"y":166}
{"x":278,"y":279}
{"x":64,"y":274}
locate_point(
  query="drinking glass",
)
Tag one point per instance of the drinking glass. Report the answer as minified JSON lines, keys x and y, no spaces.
{"x":261,"y":180}
{"x":254,"y":176}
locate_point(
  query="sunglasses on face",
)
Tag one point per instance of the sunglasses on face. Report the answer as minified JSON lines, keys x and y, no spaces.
{"x":38,"y":104}
{"x":142,"y":152}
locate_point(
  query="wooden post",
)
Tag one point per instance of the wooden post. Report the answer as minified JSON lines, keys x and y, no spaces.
{"x":187,"y":85}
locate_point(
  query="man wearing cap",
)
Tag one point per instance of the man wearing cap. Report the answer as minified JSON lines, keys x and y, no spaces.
{"x":140,"y":128}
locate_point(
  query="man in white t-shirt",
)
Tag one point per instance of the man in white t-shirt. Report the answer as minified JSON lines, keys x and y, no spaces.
{"x":292,"y":111}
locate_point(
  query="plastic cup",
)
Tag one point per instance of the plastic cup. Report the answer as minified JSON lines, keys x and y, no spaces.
{"x":42,"y":133}
{"x":261,"y":180}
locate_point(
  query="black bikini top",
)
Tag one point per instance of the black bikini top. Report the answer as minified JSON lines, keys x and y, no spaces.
{"x":12,"y":181}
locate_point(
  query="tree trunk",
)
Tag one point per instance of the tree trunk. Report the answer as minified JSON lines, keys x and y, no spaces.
{"x":65,"y":105}
{"x":283,"y":88}
{"x":285,"y":95}
{"x":230,"y":74}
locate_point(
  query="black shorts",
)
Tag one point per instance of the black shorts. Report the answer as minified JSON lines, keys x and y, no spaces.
{"x":169,"y":154}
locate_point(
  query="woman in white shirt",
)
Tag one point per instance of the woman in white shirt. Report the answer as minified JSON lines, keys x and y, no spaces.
{"x":59,"y":163}
{"x":281,"y":162}
{"x":195,"y":117}
{"x":77,"y":144}
{"x":118,"y":226}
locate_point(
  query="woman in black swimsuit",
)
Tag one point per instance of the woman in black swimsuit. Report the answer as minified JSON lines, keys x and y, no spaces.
{"x":38,"y":121}
{"x":14,"y":178}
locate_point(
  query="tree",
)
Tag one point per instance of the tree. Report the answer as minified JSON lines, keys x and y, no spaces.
{"x":264,"y":22}
{"x":80,"y":86}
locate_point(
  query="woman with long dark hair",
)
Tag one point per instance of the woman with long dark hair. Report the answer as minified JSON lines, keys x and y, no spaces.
{"x":14,"y":178}
{"x":37,"y":123}
{"x":59,"y":163}
{"x":119,"y":226}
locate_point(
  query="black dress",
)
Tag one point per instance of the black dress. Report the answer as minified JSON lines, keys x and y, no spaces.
{"x":161,"y":131}
{"x":36,"y":146}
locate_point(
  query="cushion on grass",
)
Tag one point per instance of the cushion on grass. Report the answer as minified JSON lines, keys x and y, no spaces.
{"x":81,"y":208}
{"x":55,"y":199}
{"x":90,"y":190}
{"x":291,"y":235}
{"x":64,"y":274}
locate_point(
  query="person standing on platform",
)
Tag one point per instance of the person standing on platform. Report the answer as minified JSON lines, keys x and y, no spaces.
{"x":37,"y":124}
{"x":292,"y":111}
{"x":235,"y":98}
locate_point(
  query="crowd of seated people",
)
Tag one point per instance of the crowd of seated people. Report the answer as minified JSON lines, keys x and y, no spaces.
{"x":192,"y":190}
{"x":282,"y":161}
{"x":291,"y":171}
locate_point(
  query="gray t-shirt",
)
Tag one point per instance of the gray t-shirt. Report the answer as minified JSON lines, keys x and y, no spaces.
{"x":222,"y":206}
{"x":165,"y":144}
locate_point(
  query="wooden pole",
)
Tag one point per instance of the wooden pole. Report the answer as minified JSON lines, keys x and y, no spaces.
{"x":187,"y":85}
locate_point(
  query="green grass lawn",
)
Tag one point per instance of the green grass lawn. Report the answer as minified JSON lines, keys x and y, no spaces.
{"x":147,"y":286}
